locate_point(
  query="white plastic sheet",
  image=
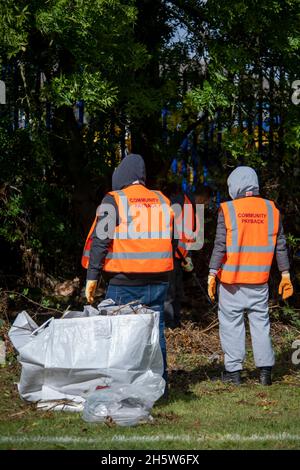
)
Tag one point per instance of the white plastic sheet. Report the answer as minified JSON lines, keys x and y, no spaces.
{"x":126,"y":405}
{"x":68,"y":358}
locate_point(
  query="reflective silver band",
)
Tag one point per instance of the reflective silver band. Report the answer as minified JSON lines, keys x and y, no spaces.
{"x":144,"y":255}
{"x":235,"y":248}
{"x":250,"y":249}
{"x":244,"y":268}
{"x":233,"y":222}
{"x":133,"y":234}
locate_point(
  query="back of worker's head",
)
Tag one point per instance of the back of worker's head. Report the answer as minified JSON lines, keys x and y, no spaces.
{"x":243,"y":181}
{"x":131,"y":169}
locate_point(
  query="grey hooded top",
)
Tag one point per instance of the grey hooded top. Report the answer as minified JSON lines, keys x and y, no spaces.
{"x":130,"y":170}
{"x":243,"y":182}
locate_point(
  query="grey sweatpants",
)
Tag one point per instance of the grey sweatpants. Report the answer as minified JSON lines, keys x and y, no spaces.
{"x":234,"y":299}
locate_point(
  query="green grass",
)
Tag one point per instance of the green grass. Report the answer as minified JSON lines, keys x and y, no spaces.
{"x":199,"y":415}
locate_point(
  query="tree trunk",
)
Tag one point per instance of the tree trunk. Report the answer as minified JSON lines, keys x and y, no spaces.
{"x":146,"y":131}
{"x":271,"y":111}
{"x":68,"y":150}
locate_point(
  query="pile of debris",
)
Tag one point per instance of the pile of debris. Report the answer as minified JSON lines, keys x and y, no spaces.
{"x":194,"y":339}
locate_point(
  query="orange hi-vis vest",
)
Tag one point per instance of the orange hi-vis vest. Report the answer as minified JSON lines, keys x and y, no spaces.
{"x":142,"y":241}
{"x":186,"y":222}
{"x":251,"y":233}
{"x":85,"y":259}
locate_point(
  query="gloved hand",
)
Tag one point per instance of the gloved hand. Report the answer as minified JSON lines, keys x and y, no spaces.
{"x":90,"y":290}
{"x":187,"y":265}
{"x":285,"y":287}
{"x":211,"y":287}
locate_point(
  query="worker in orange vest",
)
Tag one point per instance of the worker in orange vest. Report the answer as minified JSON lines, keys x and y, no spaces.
{"x":249,"y":231}
{"x":188,"y":223}
{"x":130,"y":242}
{"x":181,"y":258}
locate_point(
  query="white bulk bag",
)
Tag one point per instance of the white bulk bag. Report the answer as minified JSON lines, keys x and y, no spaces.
{"x":70,"y":358}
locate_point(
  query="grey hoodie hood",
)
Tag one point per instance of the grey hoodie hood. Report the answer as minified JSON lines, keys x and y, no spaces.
{"x":242,"y":182}
{"x":131,"y":168}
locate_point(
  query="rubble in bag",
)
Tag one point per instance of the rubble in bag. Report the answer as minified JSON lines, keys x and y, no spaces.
{"x":125,"y":405}
{"x":84,"y":353}
{"x":88,"y":311}
{"x":109,"y":307}
{"x":60,"y":405}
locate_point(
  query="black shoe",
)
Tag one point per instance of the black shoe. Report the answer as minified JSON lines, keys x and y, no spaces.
{"x":265,"y":376}
{"x":165,"y":396}
{"x":232,"y":377}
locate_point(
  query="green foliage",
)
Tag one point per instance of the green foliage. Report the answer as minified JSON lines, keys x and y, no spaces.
{"x":143,"y":101}
{"x":14,"y":18}
{"x":30,"y":220}
{"x":292,"y":241}
{"x":238,"y":149}
{"x":210,"y":97}
{"x":98,"y":94}
{"x":291,"y":315}
{"x":292,"y":137}
{"x":236,"y":61}
{"x":60,"y":52}
{"x":288,"y":315}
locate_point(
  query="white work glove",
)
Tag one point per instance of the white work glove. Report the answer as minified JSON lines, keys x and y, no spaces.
{"x":187,"y":265}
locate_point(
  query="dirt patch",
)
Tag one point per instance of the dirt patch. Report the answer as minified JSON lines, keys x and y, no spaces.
{"x":169,"y":417}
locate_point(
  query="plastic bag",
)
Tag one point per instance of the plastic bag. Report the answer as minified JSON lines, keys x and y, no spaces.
{"x":125,"y":405}
{"x":68,"y":358}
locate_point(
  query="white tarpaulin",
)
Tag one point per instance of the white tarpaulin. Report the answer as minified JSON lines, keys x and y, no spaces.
{"x":70,"y":358}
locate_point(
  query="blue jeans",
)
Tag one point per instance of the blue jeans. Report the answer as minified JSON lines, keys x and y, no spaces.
{"x":152,"y":295}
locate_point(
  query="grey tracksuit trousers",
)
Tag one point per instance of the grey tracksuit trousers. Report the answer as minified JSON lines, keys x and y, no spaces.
{"x":234,"y":299}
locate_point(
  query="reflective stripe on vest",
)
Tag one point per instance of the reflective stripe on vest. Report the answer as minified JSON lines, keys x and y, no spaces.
{"x":144,"y":255}
{"x":142,"y":234}
{"x":134,"y":249}
{"x":235,"y":248}
{"x":251,"y":232}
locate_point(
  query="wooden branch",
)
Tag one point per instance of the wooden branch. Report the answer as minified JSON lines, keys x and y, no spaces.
{"x":23,"y":75}
{"x":32,"y":301}
{"x":210,"y":327}
{"x":195,"y":124}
